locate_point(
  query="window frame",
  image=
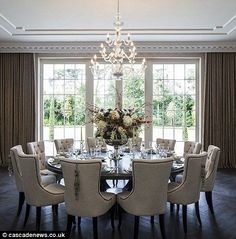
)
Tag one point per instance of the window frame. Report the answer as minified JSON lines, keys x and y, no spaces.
{"x":148,"y":87}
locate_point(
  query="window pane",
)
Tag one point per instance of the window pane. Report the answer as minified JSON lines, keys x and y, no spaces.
{"x":59,"y":72}
{"x":48,"y":72}
{"x":179,"y":71}
{"x":190,"y":71}
{"x":48,"y":86}
{"x":158,"y":72}
{"x":168,"y":71}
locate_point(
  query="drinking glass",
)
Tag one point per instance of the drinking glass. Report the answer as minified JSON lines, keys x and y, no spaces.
{"x":77,"y":151}
{"x":150,"y":148}
{"x":157,"y":148}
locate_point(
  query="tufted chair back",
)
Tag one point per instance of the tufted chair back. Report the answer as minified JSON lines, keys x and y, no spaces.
{"x":82,"y":188}
{"x":213,"y":155}
{"x":192,"y":147}
{"x":188,"y":191}
{"x":152,"y":190}
{"x":138,"y":142}
{"x":37,"y":148}
{"x":62,"y":145}
{"x":91,"y":142}
{"x":14,"y":152}
{"x":166,"y":143}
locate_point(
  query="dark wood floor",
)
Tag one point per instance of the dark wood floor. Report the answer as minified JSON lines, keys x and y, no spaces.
{"x":220,"y":226}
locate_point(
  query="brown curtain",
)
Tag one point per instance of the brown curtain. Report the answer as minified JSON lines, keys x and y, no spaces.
{"x":17,"y":102}
{"x":220,"y":106}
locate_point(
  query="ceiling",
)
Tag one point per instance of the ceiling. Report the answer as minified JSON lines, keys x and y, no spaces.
{"x":90,"y":20}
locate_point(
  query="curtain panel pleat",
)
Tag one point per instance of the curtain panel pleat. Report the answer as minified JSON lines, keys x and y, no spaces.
{"x":220,"y":106}
{"x":17,"y":102}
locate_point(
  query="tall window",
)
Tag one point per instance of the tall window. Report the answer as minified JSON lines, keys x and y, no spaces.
{"x":174,"y":102}
{"x":63,"y":102}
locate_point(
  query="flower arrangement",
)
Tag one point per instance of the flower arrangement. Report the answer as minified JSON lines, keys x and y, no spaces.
{"x":116,"y":124}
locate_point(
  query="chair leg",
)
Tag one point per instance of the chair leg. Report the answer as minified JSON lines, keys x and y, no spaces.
{"x":79,"y":221}
{"x":55,"y":209}
{"x":119,"y":215}
{"x":209,"y":201}
{"x":69,"y":224}
{"x":198,"y":213}
{"x":162,"y":225}
{"x":152,"y":220}
{"x":27,"y":213}
{"x":112,"y":217}
{"x":38,"y":218}
{"x":136,"y":226}
{"x":184,"y":214}
{"x":95,"y":227}
{"x":21,"y":202}
{"x":177,"y":208}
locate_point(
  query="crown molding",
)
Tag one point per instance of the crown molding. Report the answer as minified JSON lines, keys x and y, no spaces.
{"x":93,"y":47}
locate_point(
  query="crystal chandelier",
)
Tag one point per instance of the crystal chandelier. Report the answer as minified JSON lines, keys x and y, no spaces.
{"x":118,"y":52}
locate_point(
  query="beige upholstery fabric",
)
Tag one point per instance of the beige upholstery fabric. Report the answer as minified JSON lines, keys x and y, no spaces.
{"x":213,"y":155}
{"x":91,"y":143}
{"x":82,"y":188}
{"x":188,"y":191}
{"x":167,"y":143}
{"x":16,"y":166}
{"x":149,"y":194}
{"x":37,"y":148}
{"x":62,"y":145}
{"x":15,"y":152}
{"x":35,"y":193}
{"x":191,"y":147}
{"x":138,"y":142}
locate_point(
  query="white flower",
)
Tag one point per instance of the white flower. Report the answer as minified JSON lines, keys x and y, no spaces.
{"x":114,"y":115}
{"x":127,"y":120}
{"x":98,"y":116}
{"x":101,"y":125}
{"x":121,"y":130}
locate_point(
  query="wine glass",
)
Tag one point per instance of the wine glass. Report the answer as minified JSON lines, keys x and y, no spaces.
{"x":76,"y":152}
{"x":158,"y":148}
{"x":150,"y":147}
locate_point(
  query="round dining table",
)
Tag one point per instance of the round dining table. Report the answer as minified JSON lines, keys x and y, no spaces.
{"x":111,"y":170}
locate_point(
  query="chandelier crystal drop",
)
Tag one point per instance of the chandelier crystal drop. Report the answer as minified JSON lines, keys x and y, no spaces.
{"x":119,"y":53}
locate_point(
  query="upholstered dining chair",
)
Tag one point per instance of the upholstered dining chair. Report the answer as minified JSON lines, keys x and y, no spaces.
{"x":38,"y":148}
{"x":138,"y":142}
{"x":82,"y":192}
{"x":45,"y":179}
{"x":91,"y":143}
{"x":191,"y":147}
{"x":188,"y":190}
{"x":166,"y":143}
{"x":213,"y":155}
{"x":149,"y":194}
{"x":63,"y":145}
{"x":36,"y":194}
